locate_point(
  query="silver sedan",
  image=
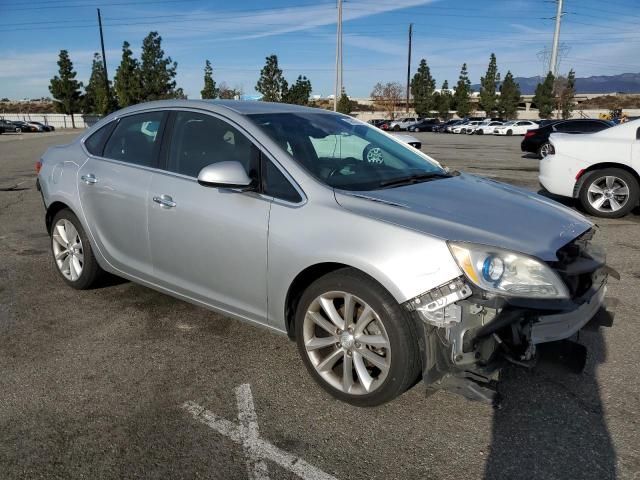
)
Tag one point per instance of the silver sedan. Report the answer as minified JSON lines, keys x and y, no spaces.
{"x":383,"y":266}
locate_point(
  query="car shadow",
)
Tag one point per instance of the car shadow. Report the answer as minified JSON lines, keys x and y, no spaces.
{"x":530,"y":155}
{"x":551,"y":424}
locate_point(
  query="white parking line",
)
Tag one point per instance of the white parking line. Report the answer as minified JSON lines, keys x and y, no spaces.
{"x":246,"y":433}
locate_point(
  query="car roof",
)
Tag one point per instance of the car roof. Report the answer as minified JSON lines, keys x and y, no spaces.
{"x":241,"y":107}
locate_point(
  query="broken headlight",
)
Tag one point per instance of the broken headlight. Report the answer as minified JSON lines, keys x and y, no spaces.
{"x":507,"y":273}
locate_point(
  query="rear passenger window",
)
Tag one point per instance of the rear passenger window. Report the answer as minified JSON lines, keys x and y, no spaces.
{"x":275,"y":184}
{"x":95,"y":143}
{"x":199,"y":140}
{"x":135,"y":139}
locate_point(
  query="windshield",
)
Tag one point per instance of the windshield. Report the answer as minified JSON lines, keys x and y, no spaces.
{"x":344,"y":153}
{"x":510,"y":122}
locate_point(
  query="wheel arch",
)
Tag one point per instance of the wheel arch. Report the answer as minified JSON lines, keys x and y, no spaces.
{"x":303,"y":280}
{"x":602,"y":166}
{"x":52,"y":210}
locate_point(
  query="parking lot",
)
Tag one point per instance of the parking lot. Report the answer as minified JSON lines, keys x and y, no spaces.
{"x":125,"y":382}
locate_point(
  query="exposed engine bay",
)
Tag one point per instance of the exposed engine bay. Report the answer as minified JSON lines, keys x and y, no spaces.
{"x":468,"y":335}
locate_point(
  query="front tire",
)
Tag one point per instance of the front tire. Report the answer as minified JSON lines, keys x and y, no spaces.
{"x":609,"y":193}
{"x":357,"y":343}
{"x":509,"y":132}
{"x":72,"y":253}
{"x":396,"y":128}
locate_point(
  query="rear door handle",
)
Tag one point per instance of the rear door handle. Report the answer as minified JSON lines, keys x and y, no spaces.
{"x":89,"y":179}
{"x":165,"y":201}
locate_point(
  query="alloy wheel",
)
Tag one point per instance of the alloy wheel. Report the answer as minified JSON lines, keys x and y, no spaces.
{"x":67,"y":249}
{"x":347,"y":343}
{"x":608,"y":194}
{"x":545,"y":150}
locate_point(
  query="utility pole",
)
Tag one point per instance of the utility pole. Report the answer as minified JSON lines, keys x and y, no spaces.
{"x":104,"y":59}
{"x":409,"y":66}
{"x":338,"y":86}
{"x":556,"y":40}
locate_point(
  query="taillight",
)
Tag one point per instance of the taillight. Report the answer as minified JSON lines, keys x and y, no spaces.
{"x":38,"y":166}
{"x":530,"y":133}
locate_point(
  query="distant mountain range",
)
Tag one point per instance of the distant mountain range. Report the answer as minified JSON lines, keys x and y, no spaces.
{"x":623,"y":83}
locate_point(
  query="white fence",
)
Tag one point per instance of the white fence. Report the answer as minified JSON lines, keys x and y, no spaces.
{"x":58,"y":120}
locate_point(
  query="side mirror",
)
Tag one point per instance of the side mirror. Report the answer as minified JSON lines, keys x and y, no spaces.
{"x":225,"y":175}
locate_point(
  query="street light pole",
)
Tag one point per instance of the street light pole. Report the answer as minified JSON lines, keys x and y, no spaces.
{"x":556,"y":40}
{"x":338,"y":85}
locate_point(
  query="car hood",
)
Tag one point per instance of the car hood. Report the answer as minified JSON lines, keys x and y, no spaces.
{"x":474,"y":209}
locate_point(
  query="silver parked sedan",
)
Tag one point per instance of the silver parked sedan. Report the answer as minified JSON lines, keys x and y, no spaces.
{"x":384,"y":266}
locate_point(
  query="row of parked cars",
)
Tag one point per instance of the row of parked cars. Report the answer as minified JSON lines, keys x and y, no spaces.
{"x":536,"y":132}
{"x":18,"y":126}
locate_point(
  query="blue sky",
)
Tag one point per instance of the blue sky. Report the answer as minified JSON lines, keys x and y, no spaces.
{"x":598,"y":38}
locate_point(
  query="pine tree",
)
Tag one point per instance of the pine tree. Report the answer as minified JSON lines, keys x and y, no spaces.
{"x":209,"y":90}
{"x":488,"y":98}
{"x":127,"y":79}
{"x":96,"y":99}
{"x":422,"y":88}
{"x":65,"y":88}
{"x":157,"y":73}
{"x":271,"y":83}
{"x":509,"y":97}
{"x":566,"y":95}
{"x":299,"y":92}
{"x":463,"y":90}
{"x":444,"y":101}
{"x":544,"y":98}
{"x":345,"y":105}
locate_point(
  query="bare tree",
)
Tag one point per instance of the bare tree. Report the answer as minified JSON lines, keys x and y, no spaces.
{"x":387,"y":96}
{"x":225,"y":92}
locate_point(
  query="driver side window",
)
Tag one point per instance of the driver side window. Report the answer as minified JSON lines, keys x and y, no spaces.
{"x":198,"y":140}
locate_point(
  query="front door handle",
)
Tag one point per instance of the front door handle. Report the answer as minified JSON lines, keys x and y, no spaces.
{"x":89,"y":179}
{"x":165,"y":201}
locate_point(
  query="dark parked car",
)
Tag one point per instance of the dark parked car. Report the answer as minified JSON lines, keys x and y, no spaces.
{"x":24,"y":126}
{"x":537,"y":141}
{"x":45,"y":128}
{"x":376,"y":122}
{"x":8,"y":127}
{"x":426,"y":125}
{"x":442,"y":128}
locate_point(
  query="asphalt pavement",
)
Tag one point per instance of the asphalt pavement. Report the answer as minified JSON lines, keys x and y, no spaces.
{"x":125,"y":382}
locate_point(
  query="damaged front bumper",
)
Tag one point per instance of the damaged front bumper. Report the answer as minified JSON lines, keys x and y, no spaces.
{"x":467,"y":336}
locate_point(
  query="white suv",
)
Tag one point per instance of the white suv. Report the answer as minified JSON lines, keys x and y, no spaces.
{"x":403,"y":123}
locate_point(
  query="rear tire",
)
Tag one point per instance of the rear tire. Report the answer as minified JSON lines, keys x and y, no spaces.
{"x":609,"y":193}
{"x":544,"y":150}
{"x":72,"y":253}
{"x":509,"y":132}
{"x":396,"y":128}
{"x":372,"y":361}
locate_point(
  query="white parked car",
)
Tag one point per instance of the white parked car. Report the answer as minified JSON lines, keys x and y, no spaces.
{"x":403,"y":123}
{"x":601,"y":170}
{"x":515,"y":127}
{"x":487,"y":128}
{"x":463,"y":127}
